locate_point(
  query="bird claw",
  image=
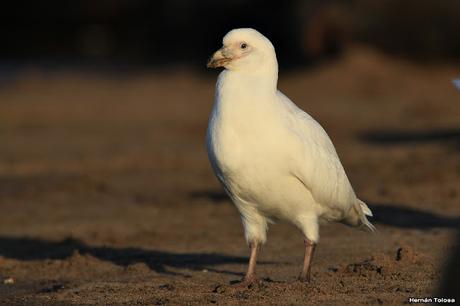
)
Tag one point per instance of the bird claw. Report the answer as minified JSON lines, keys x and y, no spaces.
{"x":249,"y":282}
{"x":304,"y":278}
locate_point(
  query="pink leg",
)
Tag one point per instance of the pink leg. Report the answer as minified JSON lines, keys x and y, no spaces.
{"x":309,"y":251}
{"x":251,"y":274}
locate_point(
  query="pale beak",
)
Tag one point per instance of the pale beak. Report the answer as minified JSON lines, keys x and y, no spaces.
{"x":220,"y":58}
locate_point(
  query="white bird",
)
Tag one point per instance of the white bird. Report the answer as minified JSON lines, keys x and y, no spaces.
{"x":273,"y":159}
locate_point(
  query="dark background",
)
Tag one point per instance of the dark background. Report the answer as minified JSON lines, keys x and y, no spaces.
{"x":163,"y":32}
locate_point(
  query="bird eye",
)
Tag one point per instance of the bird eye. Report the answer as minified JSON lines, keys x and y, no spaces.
{"x":243,"y":46}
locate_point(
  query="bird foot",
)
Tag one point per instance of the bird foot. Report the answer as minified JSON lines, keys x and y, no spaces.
{"x":249,"y":282}
{"x":304,"y":278}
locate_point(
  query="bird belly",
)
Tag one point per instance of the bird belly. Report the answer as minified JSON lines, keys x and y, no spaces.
{"x":253,"y":168}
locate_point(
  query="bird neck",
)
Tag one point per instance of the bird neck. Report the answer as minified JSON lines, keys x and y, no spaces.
{"x":254,"y":81}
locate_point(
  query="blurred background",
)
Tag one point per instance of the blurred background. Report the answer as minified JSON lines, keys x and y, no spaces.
{"x":106,"y":192}
{"x":164,"y":32}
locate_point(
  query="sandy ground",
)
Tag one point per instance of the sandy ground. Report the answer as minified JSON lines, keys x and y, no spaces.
{"x":107,"y":196}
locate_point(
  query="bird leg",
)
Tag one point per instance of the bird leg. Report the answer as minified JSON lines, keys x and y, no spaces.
{"x":251,"y":273}
{"x":309,"y":251}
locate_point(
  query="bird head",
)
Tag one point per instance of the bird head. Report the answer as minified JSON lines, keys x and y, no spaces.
{"x":245,"y":50}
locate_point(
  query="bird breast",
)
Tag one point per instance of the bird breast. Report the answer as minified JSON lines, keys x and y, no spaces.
{"x":246,"y":138}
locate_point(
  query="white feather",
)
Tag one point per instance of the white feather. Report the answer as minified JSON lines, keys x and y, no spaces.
{"x":274,"y":160}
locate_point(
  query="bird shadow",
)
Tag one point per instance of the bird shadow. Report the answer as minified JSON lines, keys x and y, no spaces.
{"x":449,"y":136}
{"x":215,"y":196}
{"x":397,"y":215}
{"x":25,"y":248}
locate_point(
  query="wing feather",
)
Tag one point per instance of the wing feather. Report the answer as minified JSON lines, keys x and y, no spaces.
{"x":319,"y":167}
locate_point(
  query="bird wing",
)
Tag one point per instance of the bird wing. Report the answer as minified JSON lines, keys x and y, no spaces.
{"x":318,"y":167}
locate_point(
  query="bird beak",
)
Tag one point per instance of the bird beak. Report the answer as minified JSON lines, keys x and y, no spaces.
{"x":220,"y":58}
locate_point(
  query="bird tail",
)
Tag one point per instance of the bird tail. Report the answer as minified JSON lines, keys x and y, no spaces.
{"x":363,"y":210}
